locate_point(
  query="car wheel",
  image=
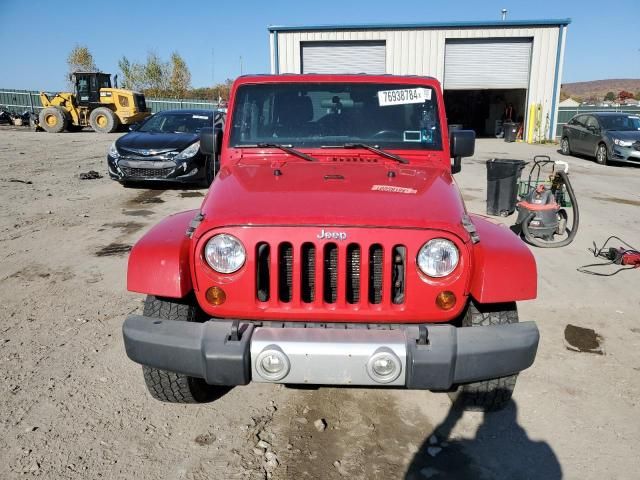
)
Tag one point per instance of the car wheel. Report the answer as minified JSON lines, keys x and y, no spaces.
{"x":169,"y":386}
{"x":564,"y":146}
{"x":495,"y":394}
{"x":601,"y":154}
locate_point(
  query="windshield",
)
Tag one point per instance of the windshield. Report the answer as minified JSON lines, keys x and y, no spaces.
{"x":177,"y":123}
{"x":321,"y":114}
{"x":620,"y":123}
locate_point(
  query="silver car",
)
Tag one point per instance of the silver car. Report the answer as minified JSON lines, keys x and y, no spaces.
{"x":607,"y":136}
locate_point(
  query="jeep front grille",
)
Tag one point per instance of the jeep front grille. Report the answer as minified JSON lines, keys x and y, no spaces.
{"x":331,"y":273}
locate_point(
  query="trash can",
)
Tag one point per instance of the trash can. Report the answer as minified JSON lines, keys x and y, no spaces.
{"x":502,"y":185}
{"x":510,"y":131}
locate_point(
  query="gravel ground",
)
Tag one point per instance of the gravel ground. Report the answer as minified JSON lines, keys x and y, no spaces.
{"x":73,"y":406}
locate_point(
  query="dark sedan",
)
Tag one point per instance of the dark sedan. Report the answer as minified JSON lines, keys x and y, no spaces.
{"x":607,"y":136}
{"x":166,"y":147}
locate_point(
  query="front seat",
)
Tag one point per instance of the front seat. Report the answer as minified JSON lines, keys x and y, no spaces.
{"x":293,"y":113}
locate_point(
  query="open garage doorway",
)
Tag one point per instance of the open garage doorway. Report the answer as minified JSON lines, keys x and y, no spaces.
{"x":484,"y":110}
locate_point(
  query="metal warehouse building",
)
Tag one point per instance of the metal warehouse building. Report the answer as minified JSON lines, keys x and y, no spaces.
{"x":483,"y":67}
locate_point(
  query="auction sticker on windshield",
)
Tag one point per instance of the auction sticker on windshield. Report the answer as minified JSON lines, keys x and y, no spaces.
{"x":404,"y":96}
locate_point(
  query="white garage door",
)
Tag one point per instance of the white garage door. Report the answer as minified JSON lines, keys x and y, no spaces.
{"x":343,"y":57}
{"x":492,"y":63}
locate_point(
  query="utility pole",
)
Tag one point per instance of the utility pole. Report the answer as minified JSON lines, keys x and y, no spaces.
{"x":241,"y":69}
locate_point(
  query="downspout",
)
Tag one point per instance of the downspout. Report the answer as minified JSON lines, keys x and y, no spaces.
{"x":276,"y":56}
{"x":556,"y":93}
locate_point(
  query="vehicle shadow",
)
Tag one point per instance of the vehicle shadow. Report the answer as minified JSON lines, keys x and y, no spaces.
{"x":501,"y":449}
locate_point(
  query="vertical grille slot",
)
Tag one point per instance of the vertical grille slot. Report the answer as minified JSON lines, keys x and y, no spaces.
{"x":262,"y":271}
{"x":375,"y":273}
{"x":353,"y":273}
{"x":308,"y":272}
{"x":399,"y":268}
{"x":330,"y":273}
{"x":285,"y":272}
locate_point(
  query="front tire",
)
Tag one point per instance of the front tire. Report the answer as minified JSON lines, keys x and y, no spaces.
{"x":170,"y":386}
{"x":488,"y":395}
{"x":53,"y":119}
{"x":103,"y":120}
{"x":565,"y":147}
{"x":601,"y":154}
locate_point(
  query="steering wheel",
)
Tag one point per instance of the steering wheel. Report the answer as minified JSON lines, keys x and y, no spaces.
{"x":387,"y":134}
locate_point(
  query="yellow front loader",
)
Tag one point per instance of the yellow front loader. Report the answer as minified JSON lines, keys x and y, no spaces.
{"x":94,"y":103}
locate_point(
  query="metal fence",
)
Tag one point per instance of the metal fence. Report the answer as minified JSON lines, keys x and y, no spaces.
{"x":566,"y":113}
{"x":20,"y":100}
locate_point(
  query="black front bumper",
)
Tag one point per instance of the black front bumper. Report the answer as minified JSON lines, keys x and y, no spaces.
{"x":220,"y":352}
{"x":124,"y":169}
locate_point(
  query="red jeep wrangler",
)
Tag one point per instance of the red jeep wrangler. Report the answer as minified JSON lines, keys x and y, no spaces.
{"x":333,"y":248}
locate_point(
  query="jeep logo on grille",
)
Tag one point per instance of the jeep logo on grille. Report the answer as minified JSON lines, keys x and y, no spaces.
{"x":325,"y":235}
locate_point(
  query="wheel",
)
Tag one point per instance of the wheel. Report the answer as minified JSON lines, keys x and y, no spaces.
{"x":565,"y":148}
{"x":53,"y":119}
{"x":103,"y":120}
{"x":601,"y":154}
{"x":211,"y":166}
{"x":169,"y":386}
{"x":489,"y":395}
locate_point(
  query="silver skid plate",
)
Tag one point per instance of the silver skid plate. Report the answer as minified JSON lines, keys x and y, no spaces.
{"x":329,"y":356}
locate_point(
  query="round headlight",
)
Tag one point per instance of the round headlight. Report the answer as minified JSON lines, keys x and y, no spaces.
{"x":225,"y":253}
{"x":438,"y":257}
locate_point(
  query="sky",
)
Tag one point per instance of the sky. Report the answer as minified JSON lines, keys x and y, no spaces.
{"x":212,"y":36}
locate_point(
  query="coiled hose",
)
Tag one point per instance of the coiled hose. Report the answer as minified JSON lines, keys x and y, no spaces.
{"x":529,"y":238}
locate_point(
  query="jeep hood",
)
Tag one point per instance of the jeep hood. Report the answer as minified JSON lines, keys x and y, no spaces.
{"x":327,"y":193}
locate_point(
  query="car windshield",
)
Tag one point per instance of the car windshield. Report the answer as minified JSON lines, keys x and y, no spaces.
{"x":177,"y":123}
{"x":621,"y":123}
{"x":333,"y":114}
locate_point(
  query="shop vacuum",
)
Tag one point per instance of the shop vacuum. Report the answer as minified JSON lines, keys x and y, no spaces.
{"x":543,"y":220}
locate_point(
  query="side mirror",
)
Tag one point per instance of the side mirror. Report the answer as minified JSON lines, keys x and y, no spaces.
{"x":133,"y":127}
{"x":462,"y":144}
{"x":211,"y":140}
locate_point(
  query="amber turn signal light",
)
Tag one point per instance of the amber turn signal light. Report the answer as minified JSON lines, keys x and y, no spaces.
{"x":446,"y":300}
{"x":216,"y":296}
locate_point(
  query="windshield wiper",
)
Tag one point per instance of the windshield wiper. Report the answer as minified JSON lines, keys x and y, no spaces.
{"x":380,"y":152}
{"x":284,"y":148}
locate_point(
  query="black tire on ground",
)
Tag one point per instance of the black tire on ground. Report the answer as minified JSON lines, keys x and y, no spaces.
{"x":489,"y":395}
{"x":601,"y":154}
{"x":53,"y":119}
{"x":103,"y":120}
{"x":565,"y":146}
{"x":169,"y":386}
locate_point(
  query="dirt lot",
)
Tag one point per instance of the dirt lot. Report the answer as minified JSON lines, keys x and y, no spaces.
{"x":73,"y":405}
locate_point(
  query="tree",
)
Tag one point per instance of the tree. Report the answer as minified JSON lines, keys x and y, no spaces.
{"x":610,"y":96}
{"x":624,"y":95}
{"x":131,"y":74}
{"x":180,"y":77}
{"x":638,"y":95}
{"x":156,"y":75}
{"x":80,"y":59}
{"x":563,"y":95}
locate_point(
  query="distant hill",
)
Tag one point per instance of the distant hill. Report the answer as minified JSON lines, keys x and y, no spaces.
{"x":599,"y":88}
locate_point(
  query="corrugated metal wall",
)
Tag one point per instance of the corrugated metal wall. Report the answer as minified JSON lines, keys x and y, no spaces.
{"x":20,"y":100}
{"x":421,"y":52}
